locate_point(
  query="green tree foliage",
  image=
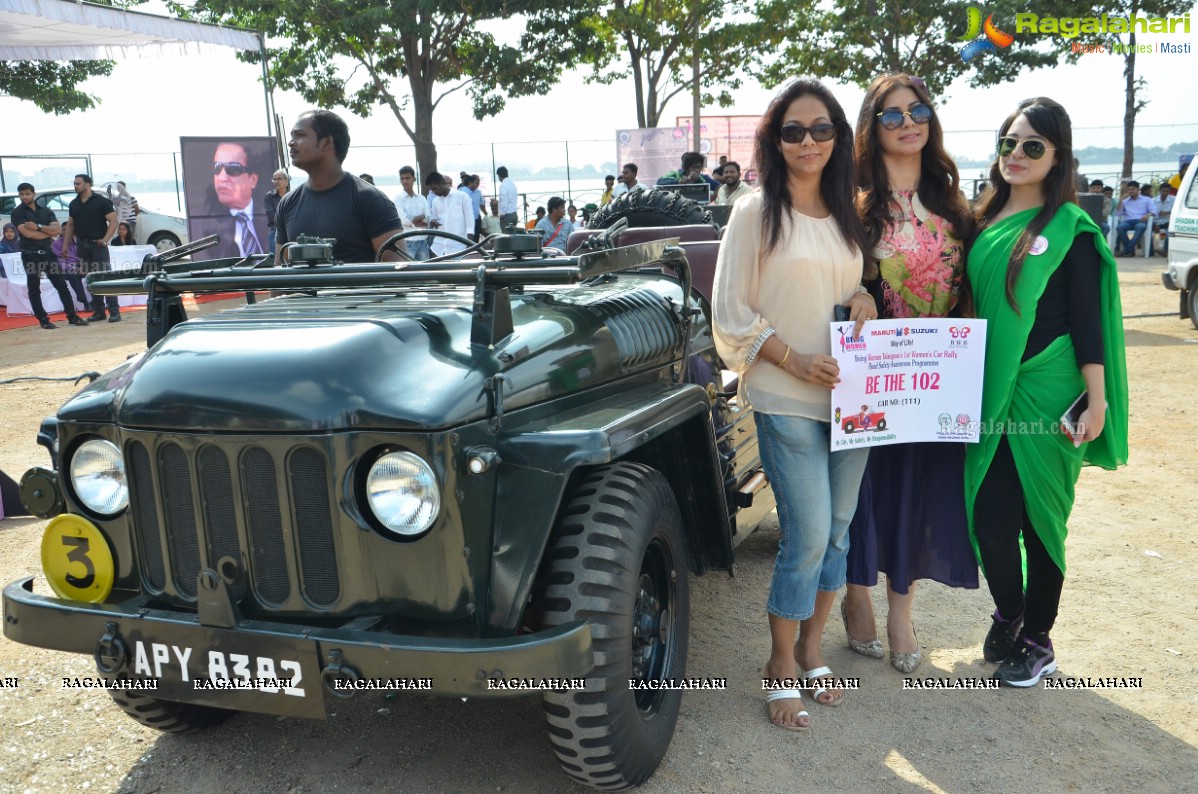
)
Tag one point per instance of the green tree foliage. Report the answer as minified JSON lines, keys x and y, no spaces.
{"x":407,"y":55}
{"x":52,"y":85}
{"x":856,"y":41}
{"x":653,"y":42}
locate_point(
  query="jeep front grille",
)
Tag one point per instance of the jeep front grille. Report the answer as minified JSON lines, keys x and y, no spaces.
{"x":194,"y":506}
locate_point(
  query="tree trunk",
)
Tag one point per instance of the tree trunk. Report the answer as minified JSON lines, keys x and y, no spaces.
{"x":426,"y":150}
{"x":1129,"y":107}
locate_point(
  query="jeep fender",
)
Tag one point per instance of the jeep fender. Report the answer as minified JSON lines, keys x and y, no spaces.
{"x":670,"y":430}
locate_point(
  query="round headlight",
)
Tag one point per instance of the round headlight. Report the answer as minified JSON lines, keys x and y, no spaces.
{"x":403,"y":494}
{"x":98,"y":477}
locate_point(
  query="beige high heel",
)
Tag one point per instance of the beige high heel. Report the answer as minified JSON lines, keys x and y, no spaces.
{"x":906,"y":662}
{"x":872,"y":648}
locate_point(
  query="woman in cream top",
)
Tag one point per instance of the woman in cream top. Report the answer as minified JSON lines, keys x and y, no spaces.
{"x":791,"y":251}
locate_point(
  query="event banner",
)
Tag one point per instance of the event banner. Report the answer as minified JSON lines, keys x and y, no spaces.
{"x":907,"y":380}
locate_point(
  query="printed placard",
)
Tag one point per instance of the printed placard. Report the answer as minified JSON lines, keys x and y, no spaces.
{"x":907,"y":380}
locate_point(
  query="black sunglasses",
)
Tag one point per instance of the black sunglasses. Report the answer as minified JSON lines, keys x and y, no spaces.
{"x":892,"y":118}
{"x":232,"y":169}
{"x":795,"y":133}
{"x":1032,"y":149}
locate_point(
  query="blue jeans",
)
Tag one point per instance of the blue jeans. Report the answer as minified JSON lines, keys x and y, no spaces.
{"x":417,"y":247}
{"x":1121,"y":231}
{"x":272,"y":240}
{"x":817,"y":494}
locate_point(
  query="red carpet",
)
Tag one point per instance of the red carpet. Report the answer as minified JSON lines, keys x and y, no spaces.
{"x":60,"y":318}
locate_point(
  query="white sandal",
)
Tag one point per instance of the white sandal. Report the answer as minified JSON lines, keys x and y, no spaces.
{"x":818,"y":688}
{"x":785,"y":694}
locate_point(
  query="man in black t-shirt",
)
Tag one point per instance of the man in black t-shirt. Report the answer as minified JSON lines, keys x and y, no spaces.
{"x":333,"y":203}
{"x":92,"y":224}
{"x":37,"y":226}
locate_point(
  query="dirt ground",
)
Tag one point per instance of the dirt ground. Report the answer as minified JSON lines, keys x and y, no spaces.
{"x":1128,"y":610}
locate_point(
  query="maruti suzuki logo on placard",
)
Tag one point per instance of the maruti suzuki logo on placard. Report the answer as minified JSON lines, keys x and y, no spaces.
{"x":982,"y":37}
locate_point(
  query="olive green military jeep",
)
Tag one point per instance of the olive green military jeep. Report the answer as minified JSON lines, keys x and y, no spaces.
{"x":486,"y":477}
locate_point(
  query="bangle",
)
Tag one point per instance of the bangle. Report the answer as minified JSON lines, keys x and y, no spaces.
{"x":861,"y":290}
{"x":783,"y":360}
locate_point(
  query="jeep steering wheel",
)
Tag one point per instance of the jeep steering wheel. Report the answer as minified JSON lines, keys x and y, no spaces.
{"x":395,"y":238}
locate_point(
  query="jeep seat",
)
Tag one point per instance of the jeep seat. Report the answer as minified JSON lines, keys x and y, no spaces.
{"x":702,"y":257}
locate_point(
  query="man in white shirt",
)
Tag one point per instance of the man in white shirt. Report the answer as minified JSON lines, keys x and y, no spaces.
{"x":733,"y":188}
{"x":509,"y":200}
{"x":450,"y":211}
{"x":414,"y":207}
{"x":627,"y":181}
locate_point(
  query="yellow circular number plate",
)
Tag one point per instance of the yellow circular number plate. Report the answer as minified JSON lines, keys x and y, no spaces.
{"x":77,"y":560}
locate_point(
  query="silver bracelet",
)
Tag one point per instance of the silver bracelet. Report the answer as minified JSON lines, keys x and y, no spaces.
{"x":757,"y":344}
{"x":861,"y":290}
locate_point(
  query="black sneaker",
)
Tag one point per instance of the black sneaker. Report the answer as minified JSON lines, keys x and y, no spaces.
{"x":1027,"y":664}
{"x":1000,"y":640}
{"x":75,"y":319}
{"x":114,"y":317}
{"x":45,"y":323}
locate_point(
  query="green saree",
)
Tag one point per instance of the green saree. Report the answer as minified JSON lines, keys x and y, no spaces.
{"x":1026,"y":399}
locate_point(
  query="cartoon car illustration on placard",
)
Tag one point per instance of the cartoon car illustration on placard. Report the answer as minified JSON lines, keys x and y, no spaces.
{"x":866,"y":420}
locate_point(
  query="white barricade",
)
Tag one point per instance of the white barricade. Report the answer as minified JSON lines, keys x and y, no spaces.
{"x":15,"y":294}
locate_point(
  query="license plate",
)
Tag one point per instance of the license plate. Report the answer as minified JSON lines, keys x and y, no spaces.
{"x":228,"y":669}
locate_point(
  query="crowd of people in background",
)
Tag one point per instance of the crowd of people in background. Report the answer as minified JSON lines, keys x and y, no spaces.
{"x":460,"y":215}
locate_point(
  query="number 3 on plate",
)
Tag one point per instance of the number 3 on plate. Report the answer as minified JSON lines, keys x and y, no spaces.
{"x":77,"y":560}
{"x":78,"y":554}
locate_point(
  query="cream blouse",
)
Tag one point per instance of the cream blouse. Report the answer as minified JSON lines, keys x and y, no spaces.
{"x":791,"y":290}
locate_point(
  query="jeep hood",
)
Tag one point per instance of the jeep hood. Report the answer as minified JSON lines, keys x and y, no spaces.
{"x":313,"y":364}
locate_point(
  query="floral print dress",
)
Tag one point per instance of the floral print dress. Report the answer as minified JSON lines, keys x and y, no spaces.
{"x":920,"y":261}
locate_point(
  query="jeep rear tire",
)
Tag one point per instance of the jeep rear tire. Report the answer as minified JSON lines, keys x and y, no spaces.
{"x":167,"y":715}
{"x":618,"y":561}
{"x":651,"y":208}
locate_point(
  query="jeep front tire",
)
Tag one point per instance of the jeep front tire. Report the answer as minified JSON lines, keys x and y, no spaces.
{"x":167,"y":715}
{"x":618,"y":560}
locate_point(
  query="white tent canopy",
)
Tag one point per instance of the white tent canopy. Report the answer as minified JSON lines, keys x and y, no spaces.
{"x":63,"y":30}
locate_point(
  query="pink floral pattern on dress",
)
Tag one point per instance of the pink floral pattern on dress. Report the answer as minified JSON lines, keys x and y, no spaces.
{"x":919,"y":259}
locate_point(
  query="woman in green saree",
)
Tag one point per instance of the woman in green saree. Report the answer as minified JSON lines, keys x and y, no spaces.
{"x":1045,"y":281}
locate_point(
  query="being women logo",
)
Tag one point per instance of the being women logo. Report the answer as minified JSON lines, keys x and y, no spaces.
{"x":982,"y":37}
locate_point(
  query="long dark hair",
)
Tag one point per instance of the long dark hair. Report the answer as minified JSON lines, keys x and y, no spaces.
{"x":939,"y":183}
{"x":116,"y":238}
{"x":1049,"y":119}
{"x":837,"y":182}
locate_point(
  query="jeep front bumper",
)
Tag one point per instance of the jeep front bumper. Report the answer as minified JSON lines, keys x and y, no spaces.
{"x":285,"y":669}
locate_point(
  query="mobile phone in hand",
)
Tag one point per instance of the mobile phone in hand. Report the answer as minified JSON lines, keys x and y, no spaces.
{"x":1071,"y":424}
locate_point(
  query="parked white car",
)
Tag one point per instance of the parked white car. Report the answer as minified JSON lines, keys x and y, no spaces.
{"x":158,"y":229}
{"x":1182,"y":274}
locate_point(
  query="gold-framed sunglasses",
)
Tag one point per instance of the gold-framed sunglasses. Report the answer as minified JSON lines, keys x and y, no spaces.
{"x":1032,"y":148}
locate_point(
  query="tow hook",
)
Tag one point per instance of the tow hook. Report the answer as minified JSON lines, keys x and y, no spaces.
{"x":336,"y":671}
{"x":111,"y":652}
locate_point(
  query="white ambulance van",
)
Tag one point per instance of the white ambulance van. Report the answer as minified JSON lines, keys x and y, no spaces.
{"x":1183,"y":246}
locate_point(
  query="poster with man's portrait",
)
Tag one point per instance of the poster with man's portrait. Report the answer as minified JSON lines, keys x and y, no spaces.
{"x":225,"y":181}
